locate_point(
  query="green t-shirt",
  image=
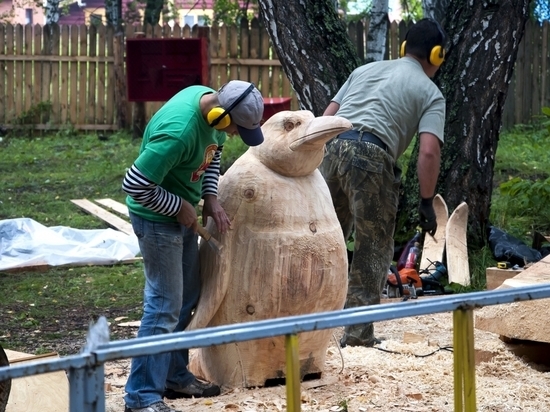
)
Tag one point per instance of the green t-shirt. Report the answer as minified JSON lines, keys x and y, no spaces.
{"x":177,"y":147}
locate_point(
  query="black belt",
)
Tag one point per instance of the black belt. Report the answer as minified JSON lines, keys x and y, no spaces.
{"x":362,"y":136}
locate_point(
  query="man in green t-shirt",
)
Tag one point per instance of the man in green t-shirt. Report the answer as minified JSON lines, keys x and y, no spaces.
{"x":388,"y":102}
{"x":178,"y":164}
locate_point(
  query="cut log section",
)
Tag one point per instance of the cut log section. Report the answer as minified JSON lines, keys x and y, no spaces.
{"x":520,"y":320}
{"x":433,"y":248}
{"x":457,"y":247}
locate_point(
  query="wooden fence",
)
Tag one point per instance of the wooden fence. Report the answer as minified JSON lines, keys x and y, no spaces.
{"x":71,"y":76}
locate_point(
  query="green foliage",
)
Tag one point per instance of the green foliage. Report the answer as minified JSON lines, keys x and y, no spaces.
{"x":343,"y":404}
{"x":411,"y":10}
{"x":520,"y":200}
{"x":233,"y":148}
{"x":230,"y":12}
{"x":24,"y":125}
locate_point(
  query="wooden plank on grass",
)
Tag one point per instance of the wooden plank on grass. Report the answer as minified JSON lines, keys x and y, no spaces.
{"x":113,"y":204}
{"x":112,"y":220}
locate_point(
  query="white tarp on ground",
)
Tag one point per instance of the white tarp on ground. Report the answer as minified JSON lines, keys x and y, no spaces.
{"x":25,"y":242}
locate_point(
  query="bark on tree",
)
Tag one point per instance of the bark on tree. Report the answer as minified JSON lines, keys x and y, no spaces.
{"x":435,"y":9}
{"x":485,"y":36}
{"x":378,"y":31}
{"x":313,"y":46}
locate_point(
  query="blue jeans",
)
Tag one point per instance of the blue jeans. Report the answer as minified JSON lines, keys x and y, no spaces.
{"x":172,"y":287}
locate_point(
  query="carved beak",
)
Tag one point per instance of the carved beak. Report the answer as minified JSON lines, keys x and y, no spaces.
{"x":319,"y":131}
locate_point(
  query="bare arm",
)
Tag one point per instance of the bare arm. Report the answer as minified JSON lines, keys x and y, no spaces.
{"x":331,"y":109}
{"x":428,"y":164}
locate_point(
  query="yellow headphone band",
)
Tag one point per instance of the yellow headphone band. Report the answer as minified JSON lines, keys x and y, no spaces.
{"x":219,"y":118}
{"x":436,"y":55}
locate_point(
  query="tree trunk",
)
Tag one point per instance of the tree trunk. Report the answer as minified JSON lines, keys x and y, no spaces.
{"x":314,"y":48}
{"x":474,"y":79}
{"x":435,"y":9}
{"x":378,"y":31}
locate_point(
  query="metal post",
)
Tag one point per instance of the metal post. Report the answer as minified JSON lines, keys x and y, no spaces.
{"x":293,"y":396}
{"x":464,"y":361}
{"x":86,"y":390}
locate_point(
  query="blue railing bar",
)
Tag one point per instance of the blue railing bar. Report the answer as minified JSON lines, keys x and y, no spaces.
{"x":276,"y":327}
{"x":48,"y":365}
{"x":444,"y":303}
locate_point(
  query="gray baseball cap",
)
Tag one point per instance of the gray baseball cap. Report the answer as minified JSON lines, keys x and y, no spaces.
{"x":245,"y":104}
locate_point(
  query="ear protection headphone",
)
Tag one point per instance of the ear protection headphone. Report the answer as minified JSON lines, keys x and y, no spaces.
{"x":219,"y":118}
{"x":436,"y":56}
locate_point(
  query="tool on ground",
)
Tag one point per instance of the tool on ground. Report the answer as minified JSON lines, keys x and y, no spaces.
{"x":208,"y":237}
{"x":504,"y":265}
{"x":432,"y":279}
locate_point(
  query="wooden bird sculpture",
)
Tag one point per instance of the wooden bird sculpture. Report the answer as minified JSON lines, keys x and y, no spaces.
{"x":284,"y":255}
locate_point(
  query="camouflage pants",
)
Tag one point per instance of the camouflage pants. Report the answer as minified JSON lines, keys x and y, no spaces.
{"x":364,"y":182}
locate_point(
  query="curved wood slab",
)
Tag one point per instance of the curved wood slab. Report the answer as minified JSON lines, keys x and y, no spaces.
{"x":433,"y":248}
{"x":457,"y":247}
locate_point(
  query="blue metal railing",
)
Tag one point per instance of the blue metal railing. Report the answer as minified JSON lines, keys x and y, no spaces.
{"x":86,"y":370}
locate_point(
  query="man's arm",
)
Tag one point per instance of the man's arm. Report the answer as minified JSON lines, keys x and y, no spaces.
{"x":429,"y":156}
{"x":331,"y":109}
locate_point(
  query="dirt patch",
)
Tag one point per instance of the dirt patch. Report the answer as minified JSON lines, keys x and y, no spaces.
{"x":412,"y":370}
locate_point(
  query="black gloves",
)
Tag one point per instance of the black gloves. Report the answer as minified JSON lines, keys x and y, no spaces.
{"x":426,"y":211}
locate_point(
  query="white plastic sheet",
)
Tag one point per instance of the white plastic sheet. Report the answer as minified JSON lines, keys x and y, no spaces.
{"x":25,"y":242}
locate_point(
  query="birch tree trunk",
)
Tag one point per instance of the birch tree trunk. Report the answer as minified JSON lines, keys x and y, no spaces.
{"x":313,"y":46}
{"x":53,"y":11}
{"x":378,"y":31}
{"x":435,"y":9}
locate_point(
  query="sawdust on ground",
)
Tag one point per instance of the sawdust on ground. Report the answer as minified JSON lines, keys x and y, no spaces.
{"x":412,"y":370}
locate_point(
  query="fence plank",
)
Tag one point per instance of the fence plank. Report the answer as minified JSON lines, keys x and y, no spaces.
{"x":73,"y":77}
{"x":64,"y":77}
{"x":223,"y":51}
{"x":3,"y":80}
{"x":110,"y":113}
{"x":245,"y":50}
{"x":54,"y":73}
{"x":28,"y":82}
{"x":92,"y":76}
{"x":18,"y":67}
{"x":213,"y":47}
{"x":101,"y":76}
{"x":254,"y":42}
{"x":10,"y":72}
{"x":82,"y":73}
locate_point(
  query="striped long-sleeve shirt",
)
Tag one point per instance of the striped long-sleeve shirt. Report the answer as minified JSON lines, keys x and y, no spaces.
{"x":154,"y":197}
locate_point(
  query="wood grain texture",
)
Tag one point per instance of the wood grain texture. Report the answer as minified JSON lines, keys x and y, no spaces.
{"x":457,"y":247}
{"x":112,"y":220}
{"x":285,"y":255}
{"x":47,"y":392}
{"x":434,"y":247}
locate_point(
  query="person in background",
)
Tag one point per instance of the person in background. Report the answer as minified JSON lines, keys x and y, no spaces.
{"x":388,"y":102}
{"x":178,"y":163}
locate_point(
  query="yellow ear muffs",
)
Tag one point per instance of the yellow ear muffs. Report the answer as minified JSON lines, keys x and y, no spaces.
{"x":437,"y":56}
{"x":402,"y":49}
{"x":218,"y":118}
